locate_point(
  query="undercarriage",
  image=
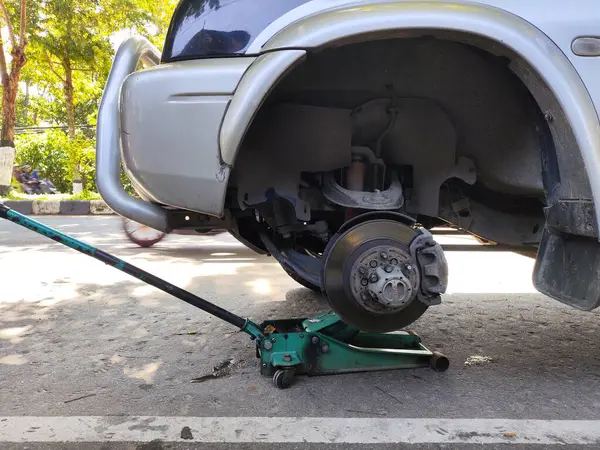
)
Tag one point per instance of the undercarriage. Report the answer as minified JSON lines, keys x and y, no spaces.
{"x":342,"y":173}
{"x":339,"y":160}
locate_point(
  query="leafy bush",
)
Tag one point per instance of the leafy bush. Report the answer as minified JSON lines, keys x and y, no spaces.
{"x":85,"y":195}
{"x":14,"y":195}
{"x":82,"y":161}
{"x":46,"y":152}
{"x":126,"y":182}
{"x":58,"y":158}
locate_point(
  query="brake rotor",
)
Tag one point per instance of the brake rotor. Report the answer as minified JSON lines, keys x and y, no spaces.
{"x":371,"y":279}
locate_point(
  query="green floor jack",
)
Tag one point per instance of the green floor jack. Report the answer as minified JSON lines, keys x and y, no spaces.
{"x":320,"y":345}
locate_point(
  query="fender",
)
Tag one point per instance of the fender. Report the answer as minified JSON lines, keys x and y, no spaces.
{"x":363,"y":20}
{"x":254,"y":87}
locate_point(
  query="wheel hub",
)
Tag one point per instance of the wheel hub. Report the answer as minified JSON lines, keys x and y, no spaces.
{"x":383,"y":279}
{"x":381,"y":275}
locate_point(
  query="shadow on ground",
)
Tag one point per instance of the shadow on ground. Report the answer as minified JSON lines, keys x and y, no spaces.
{"x":128,"y":349}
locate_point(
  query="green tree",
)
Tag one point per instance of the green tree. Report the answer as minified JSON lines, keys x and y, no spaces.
{"x":75,"y":44}
{"x":159,"y":13}
{"x":12,"y":60}
{"x":17,"y":18}
{"x":73,"y":52}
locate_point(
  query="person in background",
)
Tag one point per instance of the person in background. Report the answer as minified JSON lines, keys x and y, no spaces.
{"x":26,"y":174}
{"x":30,"y":185}
{"x":16,"y":173}
{"x":16,"y":178}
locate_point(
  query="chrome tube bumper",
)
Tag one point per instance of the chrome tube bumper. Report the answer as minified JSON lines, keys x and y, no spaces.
{"x":108,"y":137}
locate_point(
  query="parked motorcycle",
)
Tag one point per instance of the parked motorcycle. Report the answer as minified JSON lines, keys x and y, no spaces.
{"x":31,"y":183}
{"x":41,"y":187}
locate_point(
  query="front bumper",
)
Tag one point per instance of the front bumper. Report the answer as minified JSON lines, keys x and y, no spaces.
{"x":108,"y":139}
{"x":162,"y":124}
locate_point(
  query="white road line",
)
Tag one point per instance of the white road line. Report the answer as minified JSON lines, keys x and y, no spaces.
{"x":297,"y":430}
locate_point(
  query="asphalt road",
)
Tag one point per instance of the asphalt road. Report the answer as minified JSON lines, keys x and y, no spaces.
{"x":80,"y":340}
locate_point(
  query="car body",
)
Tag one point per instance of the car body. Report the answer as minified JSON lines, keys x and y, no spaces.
{"x":284,"y":123}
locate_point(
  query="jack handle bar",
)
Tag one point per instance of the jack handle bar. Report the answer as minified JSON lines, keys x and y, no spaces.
{"x":245,"y":325}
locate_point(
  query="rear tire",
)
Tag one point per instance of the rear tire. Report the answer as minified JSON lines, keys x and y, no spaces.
{"x":144,"y":241}
{"x":298,"y":279}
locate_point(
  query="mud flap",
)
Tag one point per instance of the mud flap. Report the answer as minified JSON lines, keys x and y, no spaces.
{"x":568,"y":269}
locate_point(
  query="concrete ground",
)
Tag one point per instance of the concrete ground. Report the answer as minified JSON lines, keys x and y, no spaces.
{"x":80,"y":339}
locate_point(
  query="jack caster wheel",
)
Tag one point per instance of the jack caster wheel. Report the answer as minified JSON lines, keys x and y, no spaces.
{"x":283,"y":378}
{"x":439,"y":362}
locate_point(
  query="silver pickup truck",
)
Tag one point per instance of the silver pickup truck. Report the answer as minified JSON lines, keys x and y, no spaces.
{"x":333,"y":134}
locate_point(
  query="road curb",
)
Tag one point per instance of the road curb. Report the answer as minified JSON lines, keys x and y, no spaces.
{"x":59,"y":207}
{"x":99,"y":207}
{"x":46,"y":207}
{"x":74,"y":207}
{"x":21,"y":206}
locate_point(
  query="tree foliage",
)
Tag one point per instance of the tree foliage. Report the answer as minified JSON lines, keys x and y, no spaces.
{"x":69,"y":48}
{"x":17,"y":19}
{"x":74,"y":49}
{"x":46,"y":152}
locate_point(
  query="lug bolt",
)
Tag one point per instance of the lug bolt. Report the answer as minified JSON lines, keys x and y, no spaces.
{"x":374,"y":278}
{"x":364,"y":281}
{"x":363,"y":296}
{"x":389,"y":269}
{"x":408,"y":267}
{"x":325,"y":348}
{"x":315,"y":340}
{"x":362,"y":270}
{"x":393,"y":261}
{"x":383,"y":255}
{"x":268,"y":345}
{"x":373,"y":263}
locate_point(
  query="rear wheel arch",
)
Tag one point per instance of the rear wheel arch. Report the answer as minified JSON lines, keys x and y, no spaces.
{"x":542,"y":68}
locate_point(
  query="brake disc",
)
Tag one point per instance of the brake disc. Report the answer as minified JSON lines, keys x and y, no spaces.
{"x":371,"y":277}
